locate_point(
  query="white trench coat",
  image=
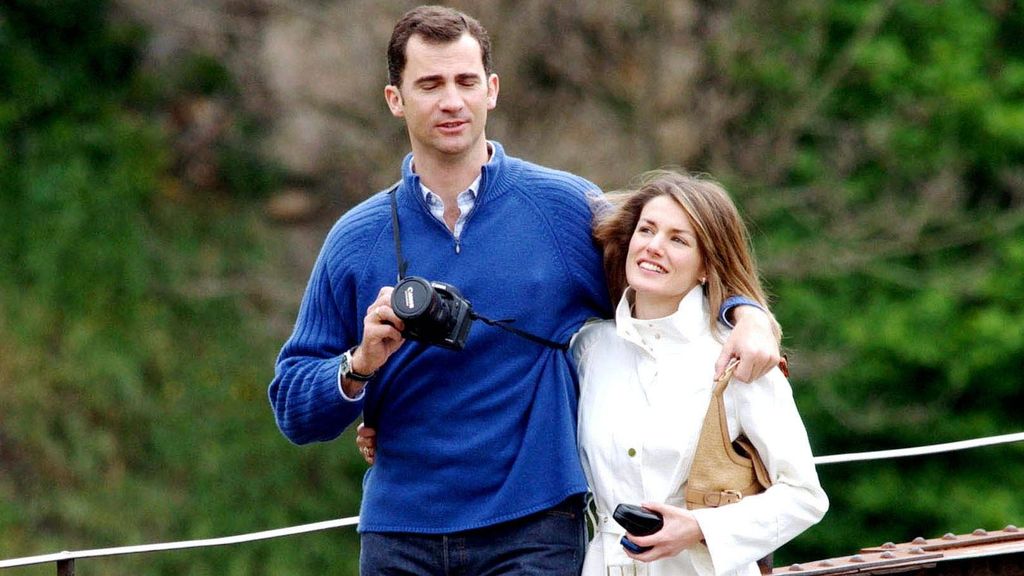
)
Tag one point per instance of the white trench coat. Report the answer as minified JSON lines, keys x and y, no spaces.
{"x":645,"y":386}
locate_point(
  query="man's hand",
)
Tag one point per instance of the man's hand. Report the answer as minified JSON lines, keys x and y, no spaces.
{"x":754,"y":342}
{"x":382,"y":334}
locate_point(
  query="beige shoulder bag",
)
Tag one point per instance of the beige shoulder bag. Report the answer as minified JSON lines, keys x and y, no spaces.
{"x":725,"y":472}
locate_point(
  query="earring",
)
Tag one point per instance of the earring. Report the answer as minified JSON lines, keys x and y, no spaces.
{"x":703,"y":280}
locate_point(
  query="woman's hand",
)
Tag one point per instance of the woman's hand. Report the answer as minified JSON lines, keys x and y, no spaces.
{"x":679,"y":532}
{"x":366,"y":440}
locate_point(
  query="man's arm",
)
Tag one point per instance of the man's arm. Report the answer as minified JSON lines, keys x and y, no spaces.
{"x":304,"y":394}
{"x":754,"y":340}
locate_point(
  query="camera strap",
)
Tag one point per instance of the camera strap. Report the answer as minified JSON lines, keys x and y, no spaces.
{"x":403,"y":264}
{"x":504,"y":325}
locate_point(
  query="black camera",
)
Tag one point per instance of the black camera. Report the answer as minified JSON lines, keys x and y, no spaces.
{"x":433,"y":312}
{"x":637,"y":521}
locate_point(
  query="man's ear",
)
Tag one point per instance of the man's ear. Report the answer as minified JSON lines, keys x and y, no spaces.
{"x":492,"y":91}
{"x":394,"y":99}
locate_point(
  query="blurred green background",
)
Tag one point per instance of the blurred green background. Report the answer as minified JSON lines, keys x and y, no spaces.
{"x":168,"y":170}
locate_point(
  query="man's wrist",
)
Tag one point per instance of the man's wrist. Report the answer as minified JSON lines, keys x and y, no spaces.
{"x":359,"y":364}
{"x":348,"y":366}
{"x":350,"y":389}
{"x":351,"y":381}
{"x":730,"y":306}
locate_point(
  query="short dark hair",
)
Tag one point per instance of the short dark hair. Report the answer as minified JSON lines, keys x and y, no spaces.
{"x":438,"y":25}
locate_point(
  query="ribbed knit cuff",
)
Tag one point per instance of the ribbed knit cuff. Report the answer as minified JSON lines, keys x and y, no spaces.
{"x":734,"y":302}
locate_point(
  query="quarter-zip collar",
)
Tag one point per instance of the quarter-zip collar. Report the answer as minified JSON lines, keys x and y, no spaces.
{"x":495,"y":176}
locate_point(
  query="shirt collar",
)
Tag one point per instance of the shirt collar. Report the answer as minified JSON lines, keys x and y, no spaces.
{"x":474,"y":186}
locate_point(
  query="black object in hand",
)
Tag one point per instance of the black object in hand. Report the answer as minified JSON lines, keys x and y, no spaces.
{"x":638,"y":521}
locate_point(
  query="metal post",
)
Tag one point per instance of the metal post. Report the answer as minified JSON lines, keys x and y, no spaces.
{"x":66,"y":567}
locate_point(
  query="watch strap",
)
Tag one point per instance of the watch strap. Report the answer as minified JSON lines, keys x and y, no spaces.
{"x":349,"y":372}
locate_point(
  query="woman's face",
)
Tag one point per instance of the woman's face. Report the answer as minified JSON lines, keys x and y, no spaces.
{"x":664,"y":261}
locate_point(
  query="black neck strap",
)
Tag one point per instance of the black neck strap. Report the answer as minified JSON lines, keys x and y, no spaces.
{"x":403,"y":264}
{"x":504,"y":325}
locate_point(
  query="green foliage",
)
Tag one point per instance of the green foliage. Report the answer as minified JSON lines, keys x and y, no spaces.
{"x":202,"y":74}
{"x":876,"y":147}
{"x":132,"y":370}
{"x":247,"y":173}
{"x":893,"y":246}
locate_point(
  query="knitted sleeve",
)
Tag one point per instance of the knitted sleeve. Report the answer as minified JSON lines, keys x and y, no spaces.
{"x":304,"y":394}
{"x":568,"y":201}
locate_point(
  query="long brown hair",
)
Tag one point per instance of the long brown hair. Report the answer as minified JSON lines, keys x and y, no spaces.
{"x":722,"y":237}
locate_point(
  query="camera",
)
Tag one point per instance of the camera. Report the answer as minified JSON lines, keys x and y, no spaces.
{"x":433,"y":312}
{"x":637,"y":521}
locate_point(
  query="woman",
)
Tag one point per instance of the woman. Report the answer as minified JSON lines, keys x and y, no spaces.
{"x":673,"y":249}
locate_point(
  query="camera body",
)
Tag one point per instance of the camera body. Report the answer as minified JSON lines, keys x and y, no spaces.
{"x":433,"y":312}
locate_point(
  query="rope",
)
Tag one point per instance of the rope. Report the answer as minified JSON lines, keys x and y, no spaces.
{"x":254,"y":536}
{"x":933,"y":449}
{"x":354,"y":520}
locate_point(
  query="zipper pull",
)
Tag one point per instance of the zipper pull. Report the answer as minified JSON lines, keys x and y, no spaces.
{"x":458,"y":246}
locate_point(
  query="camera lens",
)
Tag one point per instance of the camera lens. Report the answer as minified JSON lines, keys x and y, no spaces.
{"x":416,"y":300}
{"x":433,"y":312}
{"x":413,"y":297}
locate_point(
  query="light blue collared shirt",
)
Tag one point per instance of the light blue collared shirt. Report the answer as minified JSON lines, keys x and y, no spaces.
{"x":466,"y":199}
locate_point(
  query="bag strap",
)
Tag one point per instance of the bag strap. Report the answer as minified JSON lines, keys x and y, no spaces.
{"x":742,"y":447}
{"x":718,"y":401}
{"x":726,"y":377}
{"x":717,"y":475}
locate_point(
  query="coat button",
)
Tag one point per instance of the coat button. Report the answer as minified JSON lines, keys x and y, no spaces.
{"x":631,"y":452}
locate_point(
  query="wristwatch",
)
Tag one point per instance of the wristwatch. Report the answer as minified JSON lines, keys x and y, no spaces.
{"x":348,"y":372}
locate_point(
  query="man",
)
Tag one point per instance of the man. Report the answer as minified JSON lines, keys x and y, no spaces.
{"x":476,"y":468}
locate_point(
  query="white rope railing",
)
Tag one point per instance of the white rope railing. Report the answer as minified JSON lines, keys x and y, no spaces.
{"x":183,"y":545}
{"x":354,"y":520}
{"x":920,"y":450}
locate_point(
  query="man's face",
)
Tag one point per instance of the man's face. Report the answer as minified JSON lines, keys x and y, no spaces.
{"x":444,"y":97}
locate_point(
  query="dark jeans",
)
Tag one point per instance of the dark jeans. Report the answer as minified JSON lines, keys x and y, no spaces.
{"x":551,"y":542}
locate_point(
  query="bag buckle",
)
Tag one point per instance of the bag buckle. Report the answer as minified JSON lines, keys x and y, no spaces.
{"x":722,"y":498}
{"x":730,"y":497}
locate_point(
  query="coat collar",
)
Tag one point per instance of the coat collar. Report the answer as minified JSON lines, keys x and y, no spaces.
{"x":689,"y":321}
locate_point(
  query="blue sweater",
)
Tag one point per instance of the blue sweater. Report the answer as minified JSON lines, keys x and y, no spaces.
{"x":469,"y":438}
